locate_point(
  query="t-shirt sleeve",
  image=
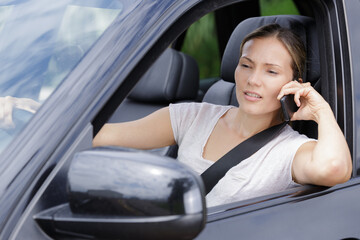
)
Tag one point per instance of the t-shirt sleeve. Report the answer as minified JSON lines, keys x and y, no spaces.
{"x":293,"y":143}
{"x":182,"y":115}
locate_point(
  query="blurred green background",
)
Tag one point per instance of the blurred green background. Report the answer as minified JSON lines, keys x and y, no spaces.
{"x":201,"y":42}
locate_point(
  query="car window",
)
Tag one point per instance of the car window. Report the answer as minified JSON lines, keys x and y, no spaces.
{"x":278,"y":7}
{"x":73,"y":39}
{"x":201,"y":43}
{"x":40,"y":44}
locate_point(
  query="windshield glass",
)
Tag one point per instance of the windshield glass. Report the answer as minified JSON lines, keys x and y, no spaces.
{"x":40,"y":43}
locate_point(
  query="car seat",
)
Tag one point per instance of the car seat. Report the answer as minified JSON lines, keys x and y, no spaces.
{"x":223,"y":91}
{"x":174,"y":77}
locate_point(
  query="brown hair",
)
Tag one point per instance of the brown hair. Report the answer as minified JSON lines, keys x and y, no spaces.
{"x":291,"y":41}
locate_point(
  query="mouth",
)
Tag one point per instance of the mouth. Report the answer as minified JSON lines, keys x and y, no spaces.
{"x":252,"y":95}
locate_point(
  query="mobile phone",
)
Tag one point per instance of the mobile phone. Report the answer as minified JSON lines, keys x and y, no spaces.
{"x":288,"y":106}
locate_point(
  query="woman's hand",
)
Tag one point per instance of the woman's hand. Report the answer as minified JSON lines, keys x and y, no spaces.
{"x":327,"y":161}
{"x":7,"y":104}
{"x":311,"y":104}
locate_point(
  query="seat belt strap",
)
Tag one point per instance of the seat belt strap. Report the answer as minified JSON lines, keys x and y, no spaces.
{"x":245,"y":149}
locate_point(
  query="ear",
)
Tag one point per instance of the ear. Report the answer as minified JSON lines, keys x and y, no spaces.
{"x":300,"y":80}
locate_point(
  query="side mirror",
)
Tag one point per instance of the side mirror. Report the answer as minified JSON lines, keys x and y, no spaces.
{"x":128,"y":195}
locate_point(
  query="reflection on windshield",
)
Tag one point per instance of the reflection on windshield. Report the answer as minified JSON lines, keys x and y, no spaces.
{"x":39,"y":46}
{"x":5,"y":11}
{"x":73,"y":40}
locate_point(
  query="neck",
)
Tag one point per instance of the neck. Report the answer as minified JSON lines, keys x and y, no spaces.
{"x":247,"y":125}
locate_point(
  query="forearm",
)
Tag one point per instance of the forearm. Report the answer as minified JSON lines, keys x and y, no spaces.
{"x":124,"y":135}
{"x":331,"y":156}
{"x":105,"y":137}
{"x":153,"y":131}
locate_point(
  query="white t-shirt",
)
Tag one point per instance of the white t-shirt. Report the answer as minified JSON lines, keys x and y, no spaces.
{"x":266,"y":171}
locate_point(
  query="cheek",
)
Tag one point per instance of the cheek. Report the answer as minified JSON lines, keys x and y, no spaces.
{"x":240,"y":76}
{"x":237,"y":74}
{"x":274,"y":87}
{"x":273,"y":92}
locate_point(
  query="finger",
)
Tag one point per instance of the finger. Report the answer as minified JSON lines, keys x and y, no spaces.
{"x":287,"y":91}
{"x":304,"y":92}
{"x":27,"y":104}
{"x":8,"y":109}
{"x":297,"y":96}
{"x":294,"y":84}
{"x":307,"y":84}
{"x":291,"y":84}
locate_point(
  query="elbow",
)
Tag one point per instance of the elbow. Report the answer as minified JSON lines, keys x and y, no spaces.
{"x":336,"y":172}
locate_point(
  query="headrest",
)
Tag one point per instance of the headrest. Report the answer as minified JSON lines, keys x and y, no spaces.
{"x":173,"y":77}
{"x":301,"y":25}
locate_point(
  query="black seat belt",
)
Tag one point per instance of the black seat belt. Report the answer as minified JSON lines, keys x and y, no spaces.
{"x":215,"y":172}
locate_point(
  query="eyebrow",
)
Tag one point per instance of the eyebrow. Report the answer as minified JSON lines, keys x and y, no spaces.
{"x":271,"y":64}
{"x":247,"y":59}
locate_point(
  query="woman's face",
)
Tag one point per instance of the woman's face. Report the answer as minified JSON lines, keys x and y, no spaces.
{"x":264,"y":67}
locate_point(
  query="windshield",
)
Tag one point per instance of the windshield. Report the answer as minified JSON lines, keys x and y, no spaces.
{"x":40,"y":43}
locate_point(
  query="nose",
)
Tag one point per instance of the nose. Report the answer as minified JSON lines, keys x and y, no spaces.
{"x":254,"y":78}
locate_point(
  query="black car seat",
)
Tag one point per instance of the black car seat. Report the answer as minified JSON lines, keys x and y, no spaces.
{"x":174,"y":77}
{"x":223,"y":91}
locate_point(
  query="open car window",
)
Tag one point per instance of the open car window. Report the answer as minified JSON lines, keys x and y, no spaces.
{"x":134,"y":105}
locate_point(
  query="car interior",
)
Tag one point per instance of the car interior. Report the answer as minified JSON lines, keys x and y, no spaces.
{"x":174,"y":77}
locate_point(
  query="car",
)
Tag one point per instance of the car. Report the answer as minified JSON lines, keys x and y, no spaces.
{"x":90,"y":62}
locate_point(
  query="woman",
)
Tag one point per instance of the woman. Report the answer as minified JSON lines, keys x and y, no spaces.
{"x":271,"y":57}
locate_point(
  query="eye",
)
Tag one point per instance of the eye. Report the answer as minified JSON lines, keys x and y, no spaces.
{"x":245,"y":65}
{"x":272,"y":72}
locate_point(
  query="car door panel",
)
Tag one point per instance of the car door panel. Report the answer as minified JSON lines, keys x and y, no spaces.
{"x":328,"y":215}
{"x":53,"y":189}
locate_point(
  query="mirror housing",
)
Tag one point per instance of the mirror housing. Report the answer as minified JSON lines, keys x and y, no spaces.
{"x":127,"y":194}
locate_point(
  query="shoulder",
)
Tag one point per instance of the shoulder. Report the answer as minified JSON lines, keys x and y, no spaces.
{"x":192,"y":117}
{"x":288,"y":142}
{"x":290,"y":135}
{"x":282,"y":152}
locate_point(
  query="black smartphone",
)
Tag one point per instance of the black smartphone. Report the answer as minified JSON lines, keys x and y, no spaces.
{"x":288,"y":106}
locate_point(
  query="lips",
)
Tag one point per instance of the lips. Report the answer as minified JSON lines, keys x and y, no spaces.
{"x":252,"y":94}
